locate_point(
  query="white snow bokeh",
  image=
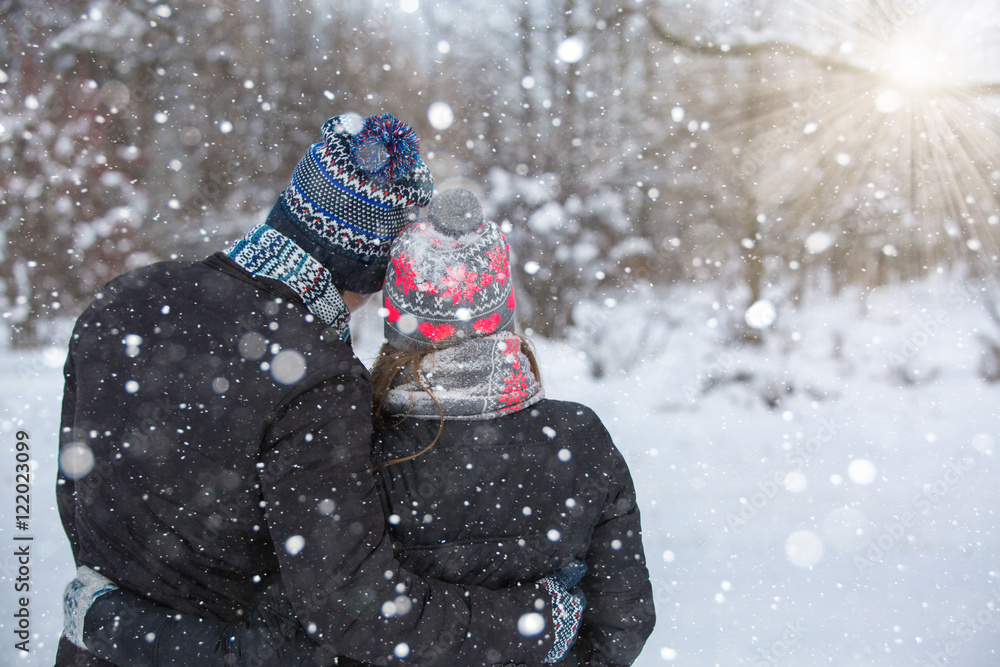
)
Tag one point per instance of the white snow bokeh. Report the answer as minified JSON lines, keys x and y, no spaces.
{"x":571,"y":50}
{"x":288,"y":367}
{"x":440,"y":115}
{"x":295,"y":544}
{"x":804,"y":548}
{"x":862,"y":472}
{"x":818,"y":242}
{"x":761,"y":314}
{"x":531,"y":624}
{"x":76,"y":461}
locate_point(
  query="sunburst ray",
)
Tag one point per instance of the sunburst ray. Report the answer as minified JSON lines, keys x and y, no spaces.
{"x":908,"y":107}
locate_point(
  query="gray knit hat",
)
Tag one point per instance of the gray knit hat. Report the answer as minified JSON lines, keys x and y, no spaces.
{"x":349,"y":194}
{"x":449,"y":277}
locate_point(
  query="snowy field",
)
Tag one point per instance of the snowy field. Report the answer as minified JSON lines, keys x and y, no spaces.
{"x":830,"y":498}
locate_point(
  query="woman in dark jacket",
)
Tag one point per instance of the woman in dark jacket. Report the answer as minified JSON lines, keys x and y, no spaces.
{"x":484,"y":480}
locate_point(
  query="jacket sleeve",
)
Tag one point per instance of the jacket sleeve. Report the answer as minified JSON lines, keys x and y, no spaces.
{"x":130,"y":631}
{"x":65,"y":487}
{"x":336,"y":561}
{"x":619,"y":615}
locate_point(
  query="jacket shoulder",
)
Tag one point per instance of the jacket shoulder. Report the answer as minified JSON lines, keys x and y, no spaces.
{"x":166,"y":272}
{"x":580,"y":425}
{"x":168,"y":276}
{"x":566,"y":411}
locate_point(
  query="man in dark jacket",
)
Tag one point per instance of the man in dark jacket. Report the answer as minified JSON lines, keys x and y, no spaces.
{"x":216,"y":426}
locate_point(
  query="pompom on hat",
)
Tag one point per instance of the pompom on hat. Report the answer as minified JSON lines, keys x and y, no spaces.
{"x":349,"y":196}
{"x":448,"y":278}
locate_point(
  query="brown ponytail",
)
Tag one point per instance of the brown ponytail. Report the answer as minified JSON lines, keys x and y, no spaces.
{"x":391,"y":362}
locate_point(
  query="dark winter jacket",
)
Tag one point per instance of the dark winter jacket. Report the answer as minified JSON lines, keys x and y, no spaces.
{"x":230,"y":438}
{"x":493,"y":503}
{"x":519,"y":497}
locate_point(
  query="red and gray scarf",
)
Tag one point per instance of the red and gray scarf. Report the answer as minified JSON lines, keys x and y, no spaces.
{"x":481,"y":378}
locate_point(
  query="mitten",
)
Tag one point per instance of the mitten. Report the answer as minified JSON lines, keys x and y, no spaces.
{"x":79,"y":595}
{"x":568,"y":603}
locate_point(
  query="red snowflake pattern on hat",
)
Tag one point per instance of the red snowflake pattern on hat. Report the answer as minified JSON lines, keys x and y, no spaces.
{"x":461,"y":285}
{"x":499,"y":264}
{"x":406,"y":276}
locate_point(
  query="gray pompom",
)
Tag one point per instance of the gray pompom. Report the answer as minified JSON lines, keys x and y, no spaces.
{"x":455,"y":212}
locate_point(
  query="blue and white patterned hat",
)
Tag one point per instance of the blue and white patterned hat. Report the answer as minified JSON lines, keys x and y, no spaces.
{"x":349,"y":196}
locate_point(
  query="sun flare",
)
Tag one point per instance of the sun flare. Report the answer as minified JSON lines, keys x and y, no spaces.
{"x":915,"y":61}
{"x":901,"y":131}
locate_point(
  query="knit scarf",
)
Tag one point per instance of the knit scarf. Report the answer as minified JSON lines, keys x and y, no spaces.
{"x":264,"y":251}
{"x":481,"y":378}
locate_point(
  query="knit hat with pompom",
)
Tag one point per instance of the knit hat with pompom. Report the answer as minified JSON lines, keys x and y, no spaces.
{"x":349,"y":196}
{"x":448,"y":278}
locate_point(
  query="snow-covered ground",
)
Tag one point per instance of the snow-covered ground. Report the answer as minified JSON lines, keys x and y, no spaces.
{"x":829,"y":498}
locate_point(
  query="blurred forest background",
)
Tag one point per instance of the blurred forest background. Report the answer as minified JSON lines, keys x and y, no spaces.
{"x":769,"y":149}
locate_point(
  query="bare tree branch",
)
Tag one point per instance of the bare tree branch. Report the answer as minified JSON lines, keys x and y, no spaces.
{"x":750,"y":48}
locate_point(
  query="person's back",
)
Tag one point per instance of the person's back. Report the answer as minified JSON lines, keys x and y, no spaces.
{"x":174,"y":376}
{"x":484,"y":480}
{"x":518,"y":497}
